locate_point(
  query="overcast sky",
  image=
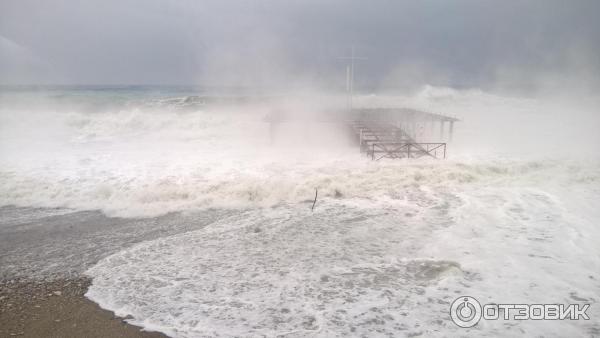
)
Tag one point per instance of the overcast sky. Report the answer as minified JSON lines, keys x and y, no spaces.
{"x":474,"y":43}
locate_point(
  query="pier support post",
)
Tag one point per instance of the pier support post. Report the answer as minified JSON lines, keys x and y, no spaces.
{"x":441,"y":129}
{"x":450,"y":130}
{"x":360,"y":140}
{"x":431,"y":129}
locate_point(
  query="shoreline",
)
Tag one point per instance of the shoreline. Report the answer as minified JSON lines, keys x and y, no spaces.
{"x":44,"y":254}
{"x":58,"y":308}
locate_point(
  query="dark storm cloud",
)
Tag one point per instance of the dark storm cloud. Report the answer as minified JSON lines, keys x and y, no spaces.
{"x":470,"y":43}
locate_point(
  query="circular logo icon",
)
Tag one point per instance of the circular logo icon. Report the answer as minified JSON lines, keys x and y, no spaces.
{"x":465,"y":311}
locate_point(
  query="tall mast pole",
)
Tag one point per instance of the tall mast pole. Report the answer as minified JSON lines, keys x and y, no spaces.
{"x":348,"y":86}
{"x":350,"y":75}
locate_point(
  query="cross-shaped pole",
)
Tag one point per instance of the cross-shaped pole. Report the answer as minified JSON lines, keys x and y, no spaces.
{"x":350,"y":74}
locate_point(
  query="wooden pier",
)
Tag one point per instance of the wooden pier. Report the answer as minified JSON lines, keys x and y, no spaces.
{"x":388,"y":132}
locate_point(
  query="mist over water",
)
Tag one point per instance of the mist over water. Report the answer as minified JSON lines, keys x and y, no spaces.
{"x":149,"y":151}
{"x":513,"y":200}
{"x":195,"y":217}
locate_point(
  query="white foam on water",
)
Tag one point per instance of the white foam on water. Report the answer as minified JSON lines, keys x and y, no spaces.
{"x":372,"y":268}
{"x":337,"y":272}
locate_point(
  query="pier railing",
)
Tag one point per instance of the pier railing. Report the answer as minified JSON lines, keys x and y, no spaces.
{"x":379,"y":140}
{"x":379,"y":150}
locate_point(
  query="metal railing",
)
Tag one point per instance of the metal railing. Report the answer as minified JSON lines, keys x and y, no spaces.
{"x":405,"y":150}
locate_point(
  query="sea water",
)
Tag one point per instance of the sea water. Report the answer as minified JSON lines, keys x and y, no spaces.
{"x":510,"y":217}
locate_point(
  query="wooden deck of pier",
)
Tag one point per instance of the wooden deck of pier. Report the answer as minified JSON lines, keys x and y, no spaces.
{"x":388,"y":132}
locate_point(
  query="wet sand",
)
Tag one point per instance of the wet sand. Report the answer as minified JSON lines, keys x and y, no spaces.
{"x":43,"y":256}
{"x":58,"y":309}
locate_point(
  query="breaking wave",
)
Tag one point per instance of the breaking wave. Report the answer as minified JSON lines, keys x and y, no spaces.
{"x":139,"y":154}
{"x":152,"y":191}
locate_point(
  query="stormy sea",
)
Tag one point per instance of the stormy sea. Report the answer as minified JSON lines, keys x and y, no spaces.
{"x":193,"y":219}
